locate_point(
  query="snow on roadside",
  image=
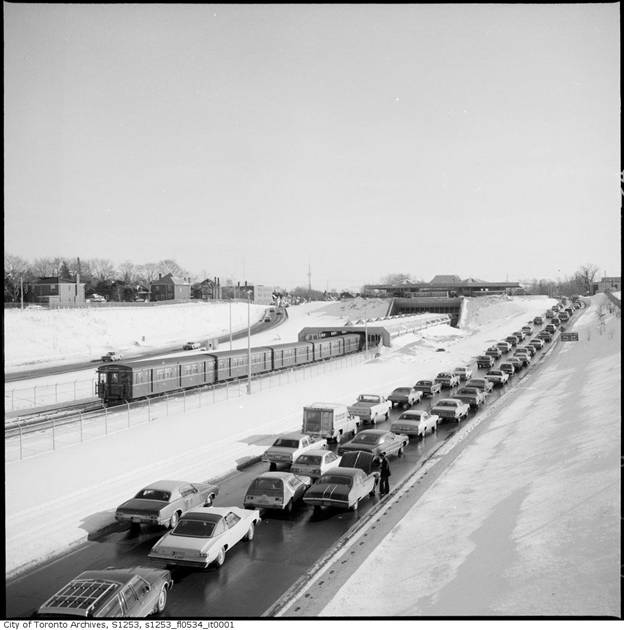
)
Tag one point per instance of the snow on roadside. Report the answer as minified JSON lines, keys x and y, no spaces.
{"x":163,"y":449}
{"x":526,"y":519}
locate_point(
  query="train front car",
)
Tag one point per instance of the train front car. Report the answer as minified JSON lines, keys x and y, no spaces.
{"x":114,"y":384}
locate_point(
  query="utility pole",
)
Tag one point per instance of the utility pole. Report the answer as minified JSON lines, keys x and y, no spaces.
{"x":309,"y":281}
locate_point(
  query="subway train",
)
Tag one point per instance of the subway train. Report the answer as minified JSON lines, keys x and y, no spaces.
{"x":141,"y":378}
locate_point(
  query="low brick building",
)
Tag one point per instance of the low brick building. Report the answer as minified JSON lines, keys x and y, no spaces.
{"x":170,"y":287}
{"x":57,"y":293}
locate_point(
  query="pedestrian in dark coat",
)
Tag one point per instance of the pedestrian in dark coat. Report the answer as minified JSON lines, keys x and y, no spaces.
{"x":384,"y":474}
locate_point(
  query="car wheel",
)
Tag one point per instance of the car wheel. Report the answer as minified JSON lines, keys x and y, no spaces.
{"x":162,"y":599}
{"x":272,"y":466}
{"x":175,"y":517}
{"x":220,"y":559}
{"x":400,"y":452}
{"x":250,"y":533}
{"x":289,"y":508}
{"x":387,"y":416}
{"x":355,"y":506}
{"x":209,"y":501}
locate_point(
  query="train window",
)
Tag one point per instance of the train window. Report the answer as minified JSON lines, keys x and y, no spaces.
{"x":114,"y":377}
{"x":102,"y":377}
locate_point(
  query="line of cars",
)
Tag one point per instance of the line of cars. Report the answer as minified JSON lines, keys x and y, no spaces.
{"x":201,"y":534}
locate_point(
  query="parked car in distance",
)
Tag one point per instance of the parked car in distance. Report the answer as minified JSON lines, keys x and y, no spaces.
{"x":428,"y":388}
{"x":104,"y":593}
{"x":464,"y":373}
{"x":516,"y":362}
{"x":527,"y":330}
{"x":277,"y":490}
{"x":538,"y":342}
{"x":452,"y":408}
{"x":545,"y":335}
{"x":485,"y":361}
{"x":551,"y":328}
{"x":376,"y":442}
{"x":520,"y":334}
{"x":538,"y":321}
{"x":471,"y":395}
{"x":507,"y":367}
{"x":341,"y":488}
{"x":204,"y":535}
{"x":164,"y":502}
{"x":512,"y":339}
{"x":504,"y":346}
{"x":525,"y":359}
{"x":564,"y":317}
{"x":415,"y":422}
{"x":482,"y":383}
{"x":498,"y":377}
{"x":191,"y":345}
{"x":494,"y":351}
{"x":315,"y":463}
{"x":405,"y":396}
{"x":112,"y":356}
{"x":447,"y":380}
{"x":555,"y":321}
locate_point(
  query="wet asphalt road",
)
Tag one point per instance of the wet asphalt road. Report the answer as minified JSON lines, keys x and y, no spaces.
{"x":256,"y":573}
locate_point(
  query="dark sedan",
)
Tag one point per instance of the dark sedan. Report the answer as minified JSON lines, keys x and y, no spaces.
{"x":376,"y":442}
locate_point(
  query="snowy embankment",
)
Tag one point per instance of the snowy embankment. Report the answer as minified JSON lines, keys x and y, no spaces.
{"x":42,"y":337}
{"x":526,"y":520}
{"x":199,"y":445}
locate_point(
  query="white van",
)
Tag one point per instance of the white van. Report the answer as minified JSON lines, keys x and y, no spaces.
{"x":328,"y":420}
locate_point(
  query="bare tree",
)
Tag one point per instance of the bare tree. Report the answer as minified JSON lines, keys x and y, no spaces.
{"x":585,"y":277}
{"x":129,"y":272}
{"x":101,"y":269}
{"x":46,"y":267}
{"x":172,"y":267}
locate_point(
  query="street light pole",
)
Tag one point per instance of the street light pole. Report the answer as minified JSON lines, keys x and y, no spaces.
{"x":366,"y":328}
{"x":230,"y":324}
{"x":248,"y":342}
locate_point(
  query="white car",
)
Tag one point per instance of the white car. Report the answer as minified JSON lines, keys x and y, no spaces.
{"x":204,"y":535}
{"x":315,"y":463}
{"x":499,"y":377}
{"x":415,"y":422}
{"x":464,"y":373}
{"x":191,"y":345}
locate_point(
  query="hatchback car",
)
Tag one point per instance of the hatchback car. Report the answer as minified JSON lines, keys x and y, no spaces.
{"x":135,"y":592}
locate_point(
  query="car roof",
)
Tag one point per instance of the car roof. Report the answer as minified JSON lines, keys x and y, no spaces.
{"x":372,"y":432}
{"x":350,"y":472}
{"x":277,"y":474}
{"x":295,"y":435}
{"x":166,"y":484}
{"x":316,"y":451}
{"x":412,"y":412}
{"x":326,"y":405}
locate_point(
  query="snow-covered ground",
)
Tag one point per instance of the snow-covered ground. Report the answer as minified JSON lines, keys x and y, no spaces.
{"x":163,"y":449}
{"x":526,"y":519}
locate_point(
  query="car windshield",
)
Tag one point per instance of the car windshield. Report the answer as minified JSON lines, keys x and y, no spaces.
{"x":366,"y":438}
{"x":195,"y":528}
{"x":402,"y":391}
{"x":460,"y":369}
{"x":286,"y":443}
{"x":447,"y":403}
{"x":336,"y":479}
{"x":469,"y":390}
{"x":410,"y":416}
{"x":369,"y":399}
{"x":309,"y":459}
{"x":153,"y":494}
{"x":424,"y":383}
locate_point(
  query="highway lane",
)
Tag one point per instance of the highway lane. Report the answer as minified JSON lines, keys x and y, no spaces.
{"x":255,"y":574}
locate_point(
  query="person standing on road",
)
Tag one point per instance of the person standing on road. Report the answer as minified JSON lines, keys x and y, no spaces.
{"x":384,"y":474}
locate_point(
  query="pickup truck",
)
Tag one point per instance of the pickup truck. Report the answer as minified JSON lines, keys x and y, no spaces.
{"x":474,"y":396}
{"x":452,"y":408}
{"x":405,"y":397}
{"x":288,"y":446}
{"x":447,"y":380}
{"x":498,"y":377}
{"x":368,"y":407}
{"x":428,"y":388}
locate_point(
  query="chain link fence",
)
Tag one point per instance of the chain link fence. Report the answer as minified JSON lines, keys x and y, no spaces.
{"x":48,"y":394}
{"x":22,"y":443}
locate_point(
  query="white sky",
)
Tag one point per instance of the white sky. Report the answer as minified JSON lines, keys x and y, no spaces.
{"x":231,"y":137}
